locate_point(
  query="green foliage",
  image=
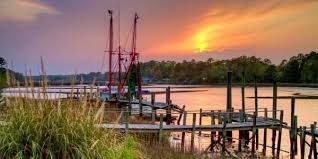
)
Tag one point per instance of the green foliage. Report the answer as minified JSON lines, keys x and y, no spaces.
{"x":46,"y":129}
{"x":301,"y":68}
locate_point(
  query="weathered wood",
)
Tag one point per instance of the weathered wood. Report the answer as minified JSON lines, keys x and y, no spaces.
{"x":224,"y":135}
{"x":200,"y":120}
{"x":295,"y":136}
{"x":180,"y":116}
{"x":212,"y":132}
{"x":254,"y":135}
{"x":243,"y":92}
{"x":160,"y":128}
{"x":183,"y":133}
{"x":313,"y":146}
{"x":229,"y":100}
{"x":153,"y":111}
{"x":219,"y":122}
{"x":193,"y":131}
{"x":302,"y":142}
{"x":240,"y":133}
{"x":274,"y":116}
{"x":292,"y":129}
{"x":280,"y":133}
{"x":256,"y":108}
{"x":168,"y":101}
{"x":265,"y":135}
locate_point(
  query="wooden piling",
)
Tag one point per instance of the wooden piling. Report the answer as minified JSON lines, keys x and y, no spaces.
{"x":274,"y":116}
{"x":265,"y":134}
{"x":160,"y":128}
{"x":183,"y":133}
{"x":280,"y":133}
{"x":313,"y":146}
{"x":212,"y":132}
{"x":243,"y":92}
{"x":302,"y":142}
{"x":219,"y":122}
{"x":229,"y":100}
{"x":200,"y":120}
{"x":256,"y":108}
{"x":224,"y":135}
{"x":254,"y":135}
{"x":241,"y":132}
{"x":292,"y":128}
{"x":153,"y":111}
{"x":168,"y":110}
{"x":295,"y":135}
{"x":193,"y":132}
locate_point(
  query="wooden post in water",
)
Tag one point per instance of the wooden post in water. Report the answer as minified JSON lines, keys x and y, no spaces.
{"x":292,"y":128}
{"x":281,"y":118}
{"x":274,"y":116}
{"x":229,"y":100}
{"x":241,"y":132}
{"x":200,"y":120}
{"x":224,"y":134}
{"x":212,"y":132}
{"x":265,"y":134}
{"x":256,"y":107}
{"x":160,"y":128}
{"x":302,"y":141}
{"x":254,"y":135}
{"x":153,"y":111}
{"x":295,"y":135}
{"x":183,"y":133}
{"x":193,"y":131}
{"x":219,"y":122}
{"x":243,"y":92}
{"x":168,"y":101}
{"x":313,"y":147}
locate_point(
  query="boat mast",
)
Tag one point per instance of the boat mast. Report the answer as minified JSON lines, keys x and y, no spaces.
{"x":119,"y":56}
{"x":110,"y":12}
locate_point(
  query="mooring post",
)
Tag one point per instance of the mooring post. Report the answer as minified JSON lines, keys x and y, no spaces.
{"x":224,"y":134}
{"x":254,"y":135}
{"x":183,"y":133}
{"x":153,"y":111}
{"x":243,"y":92}
{"x":219,"y":122}
{"x":265,"y":134}
{"x":193,"y":131}
{"x":302,"y":141}
{"x":168,"y":101}
{"x":292,"y":128}
{"x":229,"y":100}
{"x":281,"y":120}
{"x":241,"y":132}
{"x":274,"y":116}
{"x":256,"y":107}
{"x":313,"y":147}
{"x":160,"y":128}
{"x":200,"y":120}
{"x":85,"y":94}
{"x":212,"y":132}
{"x":295,"y":135}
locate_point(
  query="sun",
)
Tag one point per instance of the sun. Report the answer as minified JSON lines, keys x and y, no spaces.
{"x":201,"y":43}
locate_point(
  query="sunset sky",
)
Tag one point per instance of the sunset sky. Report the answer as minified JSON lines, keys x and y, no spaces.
{"x":71,"y":35}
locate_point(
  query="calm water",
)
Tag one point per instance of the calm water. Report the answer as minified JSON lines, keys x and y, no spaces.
{"x":215,"y":99}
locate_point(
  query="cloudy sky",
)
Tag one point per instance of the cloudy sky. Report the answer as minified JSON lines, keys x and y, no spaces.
{"x":71,"y":35}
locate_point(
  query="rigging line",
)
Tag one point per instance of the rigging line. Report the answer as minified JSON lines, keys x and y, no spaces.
{"x":128,"y":36}
{"x":104,"y":54}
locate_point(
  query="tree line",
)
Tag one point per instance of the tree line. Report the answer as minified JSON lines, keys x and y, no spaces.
{"x":302,"y":68}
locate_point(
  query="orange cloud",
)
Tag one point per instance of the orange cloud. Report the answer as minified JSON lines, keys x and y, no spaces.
{"x":24,"y":10}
